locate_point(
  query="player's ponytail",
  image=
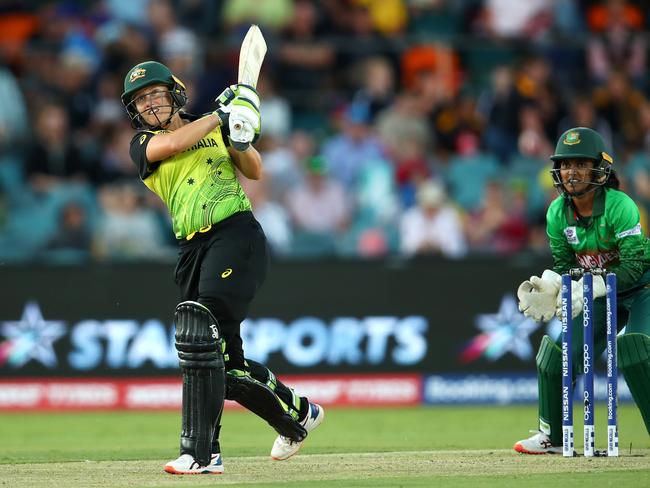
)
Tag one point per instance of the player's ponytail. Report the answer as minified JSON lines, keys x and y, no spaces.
{"x":613,"y":181}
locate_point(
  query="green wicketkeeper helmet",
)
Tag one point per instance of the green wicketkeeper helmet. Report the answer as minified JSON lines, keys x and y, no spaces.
{"x":146,"y":74}
{"x":582,"y":143}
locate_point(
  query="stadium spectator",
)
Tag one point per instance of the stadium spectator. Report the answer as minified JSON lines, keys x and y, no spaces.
{"x":73,"y":233}
{"x":433,"y":226}
{"x":514,"y":19}
{"x":616,"y":43}
{"x":275,"y":110}
{"x":126,"y":230}
{"x":114,"y":162}
{"x":304,"y":62}
{"x":620,"y":104}
{"x":320,"y":204}
{"x":454,"y":121}
{"x":468,"y":191}
{"x":355,"y":146}
{"x":361,"y":41}
{"x":377,"y":87}
{"x":582,"y":114}
{"x":52,"y":156}
{"x":499,"y":225}
{"x":498,"y":106}
{"x":178,"y":46}
{"x":282,"y":161}
{"x":271,"y":215}
{"x":13,"y":111}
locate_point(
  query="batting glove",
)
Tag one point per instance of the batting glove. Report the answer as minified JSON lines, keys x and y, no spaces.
{"x":239,"y":107}
{"x":248,"y":92}
{"x":244,"y":123}
{"x":223,"y":105}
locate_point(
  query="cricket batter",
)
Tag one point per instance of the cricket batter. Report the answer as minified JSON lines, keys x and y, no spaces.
{"x":592,"y":224}
{"x":191,"y":162}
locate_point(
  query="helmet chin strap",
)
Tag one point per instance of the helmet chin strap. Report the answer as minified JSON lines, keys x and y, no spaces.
{"x":561,"y":186}
{"x":164,"y":124}
{"x":592,"y":187}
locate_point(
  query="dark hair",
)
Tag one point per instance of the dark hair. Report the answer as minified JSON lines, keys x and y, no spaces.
{"x":613,"y":181}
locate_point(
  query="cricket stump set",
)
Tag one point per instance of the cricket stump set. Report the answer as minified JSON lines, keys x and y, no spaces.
{"x":588,"y":360}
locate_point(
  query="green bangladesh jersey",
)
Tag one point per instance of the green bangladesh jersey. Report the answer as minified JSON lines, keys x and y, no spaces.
{"x":611,"y":238}
{"x":199,"y":185}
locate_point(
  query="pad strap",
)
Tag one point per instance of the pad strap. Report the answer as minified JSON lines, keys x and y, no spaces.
{"x":263,"y":402}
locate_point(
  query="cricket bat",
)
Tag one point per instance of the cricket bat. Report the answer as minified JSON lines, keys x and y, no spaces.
{"x":251,"y":56}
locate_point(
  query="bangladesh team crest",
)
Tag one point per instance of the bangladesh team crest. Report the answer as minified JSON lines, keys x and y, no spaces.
{"x":572,"y":138}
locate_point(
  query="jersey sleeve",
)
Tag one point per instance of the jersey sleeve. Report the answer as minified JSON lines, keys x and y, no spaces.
{"x":625,"y":223}
{"x":564,"y":257}
{"x":138,"y":152}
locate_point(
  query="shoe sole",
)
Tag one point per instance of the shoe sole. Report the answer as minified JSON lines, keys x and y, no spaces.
{"x":288,"y":457}
{"x":322,"y":417}
{"x":522,"y":450}
{"x":171,"y":470}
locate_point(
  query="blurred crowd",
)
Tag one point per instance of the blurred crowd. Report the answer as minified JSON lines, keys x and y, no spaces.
{"x":389,"y":127}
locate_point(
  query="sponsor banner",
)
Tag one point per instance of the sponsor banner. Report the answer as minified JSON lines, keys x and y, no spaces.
{"x":89,"y":394}
{"x":386,"y":390}
{"x":406,"y":316}
{"x":166,"y":393}
{"x":502,"y":389}
{"x":35,"y":342}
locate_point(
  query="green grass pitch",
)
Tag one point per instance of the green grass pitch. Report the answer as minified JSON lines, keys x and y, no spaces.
{"x":423,"y":446}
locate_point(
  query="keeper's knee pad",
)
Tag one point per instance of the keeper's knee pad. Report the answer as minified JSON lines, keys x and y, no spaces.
{"x":201,"y":359}
{"x":263,"y":402}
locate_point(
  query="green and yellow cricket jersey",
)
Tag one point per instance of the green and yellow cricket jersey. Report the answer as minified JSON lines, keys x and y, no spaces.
{"x":611,"y":238}
{"x":199,"y":185}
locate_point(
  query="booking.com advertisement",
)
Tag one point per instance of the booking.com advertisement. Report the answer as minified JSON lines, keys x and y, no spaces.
{"x":335,"y":331}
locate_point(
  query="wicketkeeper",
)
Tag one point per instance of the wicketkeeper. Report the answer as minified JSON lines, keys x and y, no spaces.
{"x":592,"y":224}
{"x":190,"y":162}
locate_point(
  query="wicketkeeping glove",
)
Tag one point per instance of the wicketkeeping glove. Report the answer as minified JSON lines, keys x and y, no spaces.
{"x":538,"y":296}
{"x":577,"y":302}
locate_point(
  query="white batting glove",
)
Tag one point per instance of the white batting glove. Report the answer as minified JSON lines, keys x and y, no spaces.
{"x":244,"y":124}
{"x":244,"y":95}
{"x":247,"y":92}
